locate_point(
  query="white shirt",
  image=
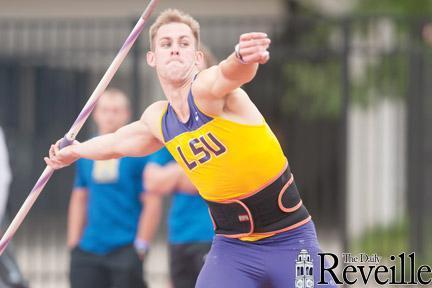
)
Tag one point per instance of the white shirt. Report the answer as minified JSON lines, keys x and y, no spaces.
{"x":5,"y":175}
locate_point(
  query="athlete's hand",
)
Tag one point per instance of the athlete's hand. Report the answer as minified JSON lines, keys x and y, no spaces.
{"x":252,"y":48}
{"x":60,"y":158}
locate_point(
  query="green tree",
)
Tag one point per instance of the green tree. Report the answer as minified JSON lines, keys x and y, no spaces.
{"x":395,"y":7}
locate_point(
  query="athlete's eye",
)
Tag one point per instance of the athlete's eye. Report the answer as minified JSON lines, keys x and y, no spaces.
{"x":184,"y":44}
{"x":165,"y":44}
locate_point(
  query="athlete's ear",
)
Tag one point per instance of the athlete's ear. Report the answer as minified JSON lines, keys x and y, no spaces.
{"x":151,"y":61}
{"x":199,"y":60}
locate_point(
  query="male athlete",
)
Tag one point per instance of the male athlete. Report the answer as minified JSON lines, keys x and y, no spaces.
{"x":226,"y":148}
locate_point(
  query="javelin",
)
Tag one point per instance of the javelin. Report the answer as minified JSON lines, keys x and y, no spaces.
{"x":76,"y":127}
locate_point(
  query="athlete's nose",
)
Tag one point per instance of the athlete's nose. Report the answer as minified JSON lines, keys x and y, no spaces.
{"x":175,"y":50}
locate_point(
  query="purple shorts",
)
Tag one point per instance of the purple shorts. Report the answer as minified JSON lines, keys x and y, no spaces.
{"x":288,"y":259}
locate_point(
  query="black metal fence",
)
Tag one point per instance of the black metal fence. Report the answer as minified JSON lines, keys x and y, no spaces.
{"x":349,"y":99}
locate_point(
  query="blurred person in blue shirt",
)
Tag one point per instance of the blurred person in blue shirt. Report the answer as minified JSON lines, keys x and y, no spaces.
{"x":111,"y":221}
{"x":190,"y":229}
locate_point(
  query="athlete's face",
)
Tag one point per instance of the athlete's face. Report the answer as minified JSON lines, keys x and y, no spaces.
{"x":174,"y":54}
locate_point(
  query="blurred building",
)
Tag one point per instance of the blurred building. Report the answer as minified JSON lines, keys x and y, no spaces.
{"x":111,"y":8}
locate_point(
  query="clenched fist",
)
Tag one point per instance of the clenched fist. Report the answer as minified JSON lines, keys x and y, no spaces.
{"x":252,"y":48}
{"x":60,"y":158}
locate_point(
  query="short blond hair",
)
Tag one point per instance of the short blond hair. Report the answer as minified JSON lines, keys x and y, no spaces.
{"x":175,"y":16}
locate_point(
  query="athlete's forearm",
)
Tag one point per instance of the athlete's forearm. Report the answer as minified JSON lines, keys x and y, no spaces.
{"x":233,"y":70}
{"x":241,"y":66}
{"x":98,"y":148}
{"x":134,"y":139}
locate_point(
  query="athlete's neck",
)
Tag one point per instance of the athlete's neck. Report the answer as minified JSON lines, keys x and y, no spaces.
{"x":177,"y":95}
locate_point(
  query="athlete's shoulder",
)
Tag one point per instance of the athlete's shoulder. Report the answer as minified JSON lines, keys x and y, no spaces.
{"x":155,"y":109}
{"x":237,"y":96}
{"x":152,"y":115}
{"x":202,"y":85}
{"x":203,"y":92}
{"x":153,"y":112}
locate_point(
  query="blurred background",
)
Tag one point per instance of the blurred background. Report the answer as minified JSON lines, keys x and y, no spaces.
{"x":347,"y":91}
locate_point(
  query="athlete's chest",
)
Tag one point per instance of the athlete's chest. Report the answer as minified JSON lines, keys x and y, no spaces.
{"x":196,"y":148}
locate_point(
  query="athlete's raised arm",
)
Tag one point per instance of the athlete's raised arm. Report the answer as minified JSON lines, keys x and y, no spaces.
{"x":136,"y":139}
{"x":239,"y":68}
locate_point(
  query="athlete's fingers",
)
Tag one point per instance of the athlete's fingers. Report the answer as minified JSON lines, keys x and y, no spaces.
{"x":57,"y":146}
{"x":56,"y":161}
{"x":253,"y":35}
{"x":55,"y":157}
{"x":48,"y":162}
{"x":252,"y":50}
{"x":52,"y":163}
{"x":265,"y":57}
{"x":253,"y":58}
{"x":51,"y":152}
{"x":254,"y":42}
{"x":256,"y":57}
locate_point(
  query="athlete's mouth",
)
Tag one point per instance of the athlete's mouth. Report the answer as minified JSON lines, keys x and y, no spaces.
{"x":175,"y":60}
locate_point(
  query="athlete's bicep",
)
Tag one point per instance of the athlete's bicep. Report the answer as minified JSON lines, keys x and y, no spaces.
{"x":142,"y":137}
{"x":210,"y":92}
{"x":212,"y":84}
{"x":136,"y":139}
{"x":220,"y":80}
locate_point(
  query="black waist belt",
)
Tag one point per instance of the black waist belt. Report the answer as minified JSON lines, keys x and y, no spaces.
{"x":277,"y":207}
